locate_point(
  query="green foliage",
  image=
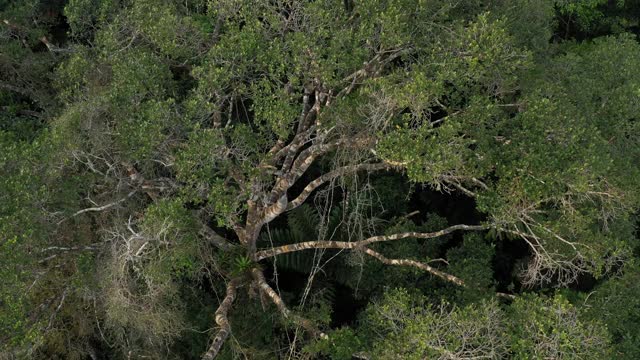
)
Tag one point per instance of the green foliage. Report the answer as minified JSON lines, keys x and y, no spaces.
{"x":160,"y":23}
{"x":150,"y":119}
{"x":15,"y":329}
{"x":84,"y":15}
{"x":137,"y":75}
{"x":403,"y":325}
{"x":588,"y":13}
{"x":429,"y":152}
{"x":273,"y":107}
{"x":472,"y":263}
{"x":146,"y":132}
{"x":241,"y":264}
{"x":343,"y":344}
{"x":530,"y":22}
{"x":20,"y":195}
{"x":542,"y":327}
{"x":599,"y":17}
{"x":169,"y":218}
{"x":616,"y":303}
{"x":25,"y":71}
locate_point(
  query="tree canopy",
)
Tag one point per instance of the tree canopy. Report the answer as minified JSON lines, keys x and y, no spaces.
{"x":284,"y":179}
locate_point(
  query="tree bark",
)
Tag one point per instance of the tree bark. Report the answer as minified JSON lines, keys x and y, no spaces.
{"x":260,"y":255}
{"x":222,"y":321}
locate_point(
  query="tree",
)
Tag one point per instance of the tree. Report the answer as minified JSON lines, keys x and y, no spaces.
{"x":615,"y":303}
{"x":198,"y":127}
{"x":403,"y":325}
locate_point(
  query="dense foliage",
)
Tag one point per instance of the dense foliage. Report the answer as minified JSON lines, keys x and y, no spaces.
{"x":284,"y":179}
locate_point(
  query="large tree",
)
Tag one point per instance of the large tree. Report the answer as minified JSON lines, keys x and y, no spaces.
{"x":190,"y":131}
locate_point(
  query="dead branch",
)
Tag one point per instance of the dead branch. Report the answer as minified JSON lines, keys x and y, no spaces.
{"x":57,"y":310}
{"x":99,"y":208}
{"x":15,"y":89}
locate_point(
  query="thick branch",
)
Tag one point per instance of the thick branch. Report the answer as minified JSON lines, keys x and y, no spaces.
{"x":216,"y":239}
{"x":222,"y":321}
{"x":300,"y":165}
{"x":330,"y":176}
{"x":289,"y":151}
{"x":371,"y":69}
{"x":286,"y":313}
{"x":306,"y":158}
{"x":419,"y":265}
{"x":360,"y":244}
{"x":303,"y":131}
{"x":274,"y":210}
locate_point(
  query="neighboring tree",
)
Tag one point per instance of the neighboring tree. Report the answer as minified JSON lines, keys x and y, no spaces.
{"x":616,"y":303}
{"x":191,"y":133}
{"x":552,"y":329}
{"x":28,"y":54}
{"x":592,"y":18}
{"x":407,"y":326}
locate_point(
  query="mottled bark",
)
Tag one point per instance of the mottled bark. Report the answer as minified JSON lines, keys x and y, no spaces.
{"x":282,"y":307}
{"x":359,"y":244}
{"x":222,"y":321}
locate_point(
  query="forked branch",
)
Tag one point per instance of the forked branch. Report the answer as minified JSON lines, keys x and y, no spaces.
{"x":260,"y":255}
{"x":100,"y":208}
{"x":307,"y":157}
{"x":407,"y":262}
{"x":313,"y":185}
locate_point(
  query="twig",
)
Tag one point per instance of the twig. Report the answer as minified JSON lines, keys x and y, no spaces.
{"x":99,"y":208}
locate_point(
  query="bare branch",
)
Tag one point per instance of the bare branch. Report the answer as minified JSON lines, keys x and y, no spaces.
{"x":304,"y":130}
{"x":419,"y":265}
{"x":57,"y":310}
{"x":506,"y":296}
{"x":216,"y":239}
{"x":222,"y":321}
{"x":371,"y":68}
{"x":63,"y":250}
{"x":15,"y":89}
{"x":100,"y":208}
{"x":457,"y":181}
{"x":307,"y":157}
{"x":290,"y":150}
{"x":282,"y":307}
{"x":332,"y":175}
{"x":359,"y":244}
{"x":274,"y":210}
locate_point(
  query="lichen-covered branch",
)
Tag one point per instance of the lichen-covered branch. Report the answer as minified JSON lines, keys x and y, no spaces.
{"x":422,"y":266}
{"x":313,"y":185}
{"x":222,"y":321}
{"x":359,"y":244}
{"x":282,"y":307}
